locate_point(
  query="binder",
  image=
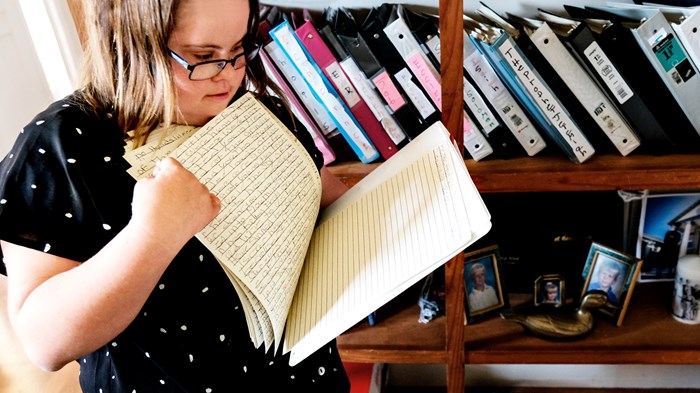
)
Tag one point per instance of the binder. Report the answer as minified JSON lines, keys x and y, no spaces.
{"x":324,"y":92}
{"x":660,"y":44}
{"x":605,"y":114}
{"x":503,"y":142}
{"x":364,"y":87}
{"x":298,"y":109}
{"x":619,"y":43}
{"x":328,"y":64}
{"x":372,"y":30}
{"x":525,"y":81}
{"x":580,"y":40}
{"x":348,"y":34}
{"x":508,"y":108}
{"x":400,"y":36}
{"x":315,"y":108}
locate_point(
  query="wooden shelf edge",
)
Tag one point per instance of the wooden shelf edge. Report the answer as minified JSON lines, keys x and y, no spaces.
{"x":650,"y":357}
{"x":397,"y":356}
{"x":555,"y":173}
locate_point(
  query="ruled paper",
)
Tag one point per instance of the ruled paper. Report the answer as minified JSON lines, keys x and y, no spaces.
{"x":393,"y":228}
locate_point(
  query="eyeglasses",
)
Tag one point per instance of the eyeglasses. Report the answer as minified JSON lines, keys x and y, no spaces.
{"x":211,"y":68}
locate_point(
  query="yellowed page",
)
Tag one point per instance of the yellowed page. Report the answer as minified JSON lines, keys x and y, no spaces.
{"x":160,"y":144}
{"x":413,"y":213}
{"x":270,"y":193}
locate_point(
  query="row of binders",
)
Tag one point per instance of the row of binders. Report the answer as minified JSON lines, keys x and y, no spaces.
{"x":613,"y":78}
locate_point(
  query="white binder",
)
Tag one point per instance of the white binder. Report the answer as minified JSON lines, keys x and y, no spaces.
{"x":597,"y":105}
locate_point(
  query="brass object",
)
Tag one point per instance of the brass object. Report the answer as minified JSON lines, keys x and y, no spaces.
{"x":559,"y":323}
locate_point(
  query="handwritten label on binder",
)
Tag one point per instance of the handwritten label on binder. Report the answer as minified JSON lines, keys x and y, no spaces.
{"x":546,"y":101}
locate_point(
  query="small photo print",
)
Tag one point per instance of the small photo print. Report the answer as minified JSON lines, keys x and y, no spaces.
{"x":483,"y":290}
{"x":549,"y":290}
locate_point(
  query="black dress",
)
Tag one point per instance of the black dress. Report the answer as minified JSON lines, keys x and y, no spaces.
{"x":64,"y":190}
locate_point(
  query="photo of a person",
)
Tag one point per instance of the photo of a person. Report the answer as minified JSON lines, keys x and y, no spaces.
{"x":608,"y":276}
{"x":550,"y":293}
{"x":482,"y":294}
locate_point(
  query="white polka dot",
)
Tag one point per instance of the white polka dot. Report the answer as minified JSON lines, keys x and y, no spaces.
{"x":183,"y":327}
{"x":40,"y":122}
{"x":12,"y":155}
{"x":201,"y":258}
{"x":291,"y":376}
{"x":68,"y":215}
{"x":113,"y":376}
{"x":107,"y":353}
{"x":161,"y":286}
{"x":79,"y":130}
{"x":208,"y":390}
{"x":71,"y":160}
{"x":21,"y":131}
{"x":162,"y":382}
{"x":84,"y":360}
{"x":3,"y":201}
{"x":145,"y":313}
{"x":222,"y":338}
{"x":100,"y":390}
{"x":106,"y":227}
{"x":66,"y":106}
{"x":321,"y":370}
{"x":42,"y":151}
{"x":133,"y":391}
{"x":33,"y":186}
{"x":148,"y":355}
{"x":191,"y":358}
{"x":114,"y":343}
{"x":47,"y":247}
{"x":271,"y":363}
{"x":108,"y":159}
{"x":245,"y":369}
{"x":205,"y":289}
{"x":163,"y":330}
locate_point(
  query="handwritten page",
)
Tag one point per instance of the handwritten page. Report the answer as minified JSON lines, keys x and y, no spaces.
{"x":270,"y":194}
{"x":161,"y":142}
{"x":409,"y":216}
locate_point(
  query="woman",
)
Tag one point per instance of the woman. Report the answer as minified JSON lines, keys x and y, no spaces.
{"x":105,"y":270}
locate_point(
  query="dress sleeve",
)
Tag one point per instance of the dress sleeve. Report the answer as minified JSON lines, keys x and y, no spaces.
{"x":55,"y":184}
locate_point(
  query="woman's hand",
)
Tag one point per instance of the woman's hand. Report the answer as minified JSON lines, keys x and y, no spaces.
{"x":172,"y":205}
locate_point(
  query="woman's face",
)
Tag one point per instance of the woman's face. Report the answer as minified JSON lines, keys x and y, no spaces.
{"x":207,"y":30}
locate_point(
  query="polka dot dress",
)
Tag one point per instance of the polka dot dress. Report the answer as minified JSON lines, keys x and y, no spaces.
{"x":64,"y":190}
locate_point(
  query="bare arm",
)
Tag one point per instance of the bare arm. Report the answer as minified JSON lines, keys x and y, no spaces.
{"x":62,"y":310}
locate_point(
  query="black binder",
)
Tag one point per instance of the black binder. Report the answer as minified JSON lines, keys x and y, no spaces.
{"x":372,"y":30}
{"x":619,"y":43}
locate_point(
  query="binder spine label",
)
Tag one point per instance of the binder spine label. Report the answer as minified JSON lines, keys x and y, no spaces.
{"x":607,"y":71}
{"x":342,"y":84}
{"x":382,"y":81}
{"x":546,"y":101}
{"x":376,"y":106}
{"x":415,"y":94}
{"x":316,"y":109}
{"x":673,"y":59}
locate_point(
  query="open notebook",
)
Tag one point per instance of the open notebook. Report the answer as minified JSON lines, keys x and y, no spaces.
{"x":318,"y":275}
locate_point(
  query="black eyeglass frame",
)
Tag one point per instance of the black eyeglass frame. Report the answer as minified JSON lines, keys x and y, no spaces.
{"x":250,"y":51}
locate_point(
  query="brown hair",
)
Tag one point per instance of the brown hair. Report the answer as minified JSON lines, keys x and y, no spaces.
{"x":127,"y":70}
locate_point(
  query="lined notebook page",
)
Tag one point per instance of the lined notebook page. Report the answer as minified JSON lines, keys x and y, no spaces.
{"x":409,"y":216}
{"x":270,"y":193}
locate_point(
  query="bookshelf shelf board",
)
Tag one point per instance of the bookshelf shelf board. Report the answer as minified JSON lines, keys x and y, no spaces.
{"x":557,"y":173}
{"x":648,"y":335}
{"x":397,"y":337}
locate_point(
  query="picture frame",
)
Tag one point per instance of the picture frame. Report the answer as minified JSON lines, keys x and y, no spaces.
{"x":483,"y":291}
{"x":550,"y":290}
{"x":615,"y":273}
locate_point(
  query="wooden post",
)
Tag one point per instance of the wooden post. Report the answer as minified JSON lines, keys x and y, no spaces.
{"x":451,"y":71}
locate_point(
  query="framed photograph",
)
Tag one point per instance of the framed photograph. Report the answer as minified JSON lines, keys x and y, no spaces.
{"x":549,"y":290}
{"x":613,"y":272}
{"x":483,"y":291}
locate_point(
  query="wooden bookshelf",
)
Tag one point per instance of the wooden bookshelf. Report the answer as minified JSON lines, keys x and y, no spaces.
{"x":648,"y":335}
